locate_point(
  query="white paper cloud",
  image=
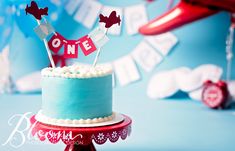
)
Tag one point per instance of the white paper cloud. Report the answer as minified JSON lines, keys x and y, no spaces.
{"x":162,"y":85}
{"x":29,"y":83}
{"x":209,"y":71}
{"x":167,"y":83}
{"x":6,"y":84}
{"x":187,"y":80}
{"x":196,"y":94}
{"x":231,"y":88}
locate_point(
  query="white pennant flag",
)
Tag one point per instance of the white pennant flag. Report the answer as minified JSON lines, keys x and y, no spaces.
{"x":163,"y":42}
{"x":106,"y":11}
{"x":71,"y":6}
{"x":98,"y":37}
{"x":135,"y":16}
{"x":126,"y":70}
{"x":146,"y":56}
{"x":88,"y":13}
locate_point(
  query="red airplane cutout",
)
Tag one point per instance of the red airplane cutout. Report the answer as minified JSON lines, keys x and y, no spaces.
{"x":35,"y":11}
{"x":111,"y":20}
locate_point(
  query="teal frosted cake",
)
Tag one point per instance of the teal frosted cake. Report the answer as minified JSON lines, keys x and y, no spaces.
{"x":76,"y":94}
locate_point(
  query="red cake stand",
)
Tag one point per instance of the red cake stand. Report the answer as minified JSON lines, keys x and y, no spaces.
{"x":80,"y":138}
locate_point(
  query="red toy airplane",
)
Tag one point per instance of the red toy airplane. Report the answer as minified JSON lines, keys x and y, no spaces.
{"x":111,"y":20}
{"x":35,"y":11}
{"x":186,"y":12}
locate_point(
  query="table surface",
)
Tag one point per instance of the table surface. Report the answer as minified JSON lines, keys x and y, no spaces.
{"x":166,"y":125}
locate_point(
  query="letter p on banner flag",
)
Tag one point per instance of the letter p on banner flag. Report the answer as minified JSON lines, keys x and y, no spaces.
{"x":71,"y":49}
{"x":55,"y":43}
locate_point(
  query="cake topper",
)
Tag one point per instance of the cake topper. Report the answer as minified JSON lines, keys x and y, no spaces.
{"x":43,"y":29}
{"x":111,"y":20}
{"x":88,"y":43}
{"x":35,"y":11}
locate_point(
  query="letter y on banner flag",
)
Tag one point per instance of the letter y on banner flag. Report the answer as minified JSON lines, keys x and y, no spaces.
{"x":71,"y":49}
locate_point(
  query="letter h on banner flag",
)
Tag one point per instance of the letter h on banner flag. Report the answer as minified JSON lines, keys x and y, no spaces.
{"x":71,"y":49}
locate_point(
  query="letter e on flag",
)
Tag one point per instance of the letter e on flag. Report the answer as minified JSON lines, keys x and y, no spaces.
{"x":87,"y":45}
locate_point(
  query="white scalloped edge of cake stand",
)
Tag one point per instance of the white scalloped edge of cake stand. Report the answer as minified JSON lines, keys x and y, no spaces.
{"x":117,"y":119}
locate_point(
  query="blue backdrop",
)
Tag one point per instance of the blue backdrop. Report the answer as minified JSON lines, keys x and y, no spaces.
{"x":176,"y":124}
{"x":200,"y":42}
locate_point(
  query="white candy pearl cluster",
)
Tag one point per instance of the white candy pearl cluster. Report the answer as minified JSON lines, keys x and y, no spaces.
{"x":42,"y":118}
{"x":78,"y":71}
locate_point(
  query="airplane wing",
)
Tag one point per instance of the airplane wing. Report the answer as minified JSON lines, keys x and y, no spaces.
{"x":34,"y":5}
{"x":112,"y":15}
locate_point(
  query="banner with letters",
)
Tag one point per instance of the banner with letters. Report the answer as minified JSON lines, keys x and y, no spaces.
{"x":88,"y":43}
{"x":71,"y":46}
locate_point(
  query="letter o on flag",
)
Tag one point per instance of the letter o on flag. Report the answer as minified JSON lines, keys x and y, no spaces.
{"x":56,"y":42}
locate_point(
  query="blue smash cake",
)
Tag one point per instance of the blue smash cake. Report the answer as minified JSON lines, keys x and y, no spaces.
{"x":77,"y":94}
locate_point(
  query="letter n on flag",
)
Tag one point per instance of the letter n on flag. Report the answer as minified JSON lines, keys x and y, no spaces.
{"x":56,"y":42}
{"x":87,"y":45}
{"x":71,"y":49}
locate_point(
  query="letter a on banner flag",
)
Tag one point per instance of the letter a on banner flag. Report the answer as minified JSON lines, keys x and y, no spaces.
{"x":87,"y":45}
{"x":55,"y":43}
{"x":71,"y":49}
